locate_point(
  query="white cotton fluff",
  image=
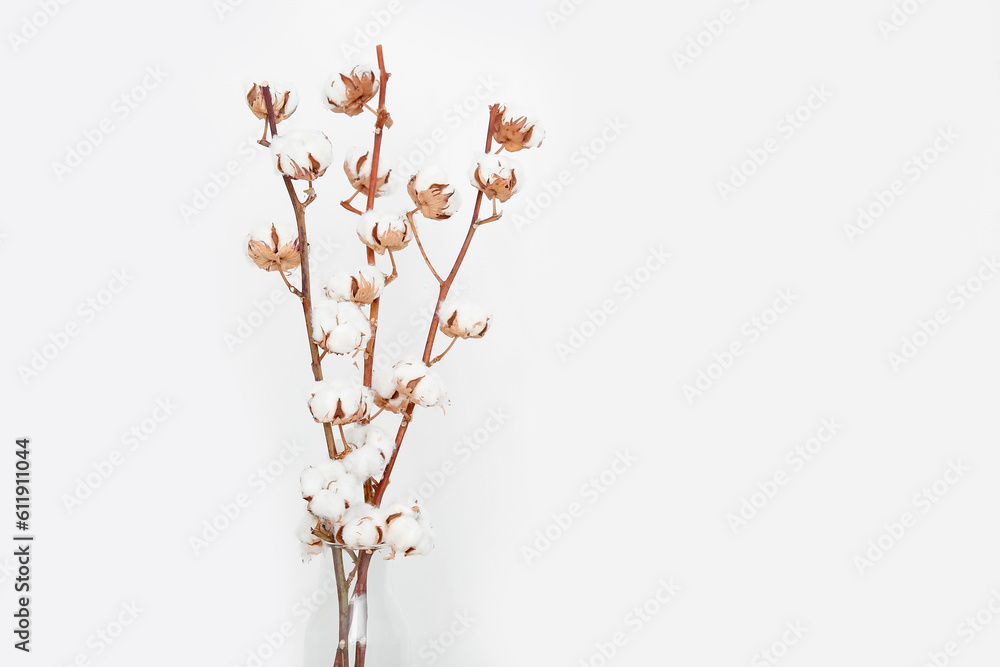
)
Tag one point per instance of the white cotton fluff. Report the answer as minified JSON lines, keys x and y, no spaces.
{"x":377,"y":439}
{"x":331,"y":470}
{"x":490,"y":167}
{"x":311,"y":544}
{"x":339,"y":285}
{"x":353,"y":398}
{"x":296,"y":147}
{"x":340,"y":327}
{"x":349,"y":489}
{"x":428,"y":391}
{"x":365,"y":173}
{"x":286,"y":233}
{"x":336,"y":92}
{"x":471,"y":320}
{"x":364,"y":527}
{"x":407,"y":530}
{"x":403,"y":533}
{"x":365,"y":462}
{"x":387,"y":222}
{"x":328,"y":506}
{"x":384,"y":382}
{"x":305,"y":528}
{"x":312,"y":480}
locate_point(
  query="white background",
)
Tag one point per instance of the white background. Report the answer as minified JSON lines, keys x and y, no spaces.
{"x":610,"y":390}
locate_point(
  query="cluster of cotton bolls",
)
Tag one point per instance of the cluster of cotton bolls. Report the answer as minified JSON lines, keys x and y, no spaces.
{"x":338,"y":512}
{"x":341,"y":492}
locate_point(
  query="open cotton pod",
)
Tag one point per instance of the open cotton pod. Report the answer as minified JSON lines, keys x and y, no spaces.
{"x":362,"y":286}
{"x":349,"y":93}
{"x":463,"y":320}
{"x":340,"y":327}
{"x":302,"y":154}
{"x":495,"y":176}
{"x":515,"y":131}
{"x":433,"y":194}
{"x":283,"y":102}
{"x":383,"y":231}
{"x":339,"y":402}
{"x":274,"y":248}
{"x":358,"y":167}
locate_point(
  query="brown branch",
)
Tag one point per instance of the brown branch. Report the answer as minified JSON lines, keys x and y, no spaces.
{"x":304,"y":294}
{"x":442,"y":295}
{"x":380,"y":121}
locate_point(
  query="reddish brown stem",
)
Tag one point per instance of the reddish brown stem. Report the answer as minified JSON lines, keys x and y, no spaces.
{"x":442,"y":295}
{"x":304,"y":293}
{"x":381,"y":116}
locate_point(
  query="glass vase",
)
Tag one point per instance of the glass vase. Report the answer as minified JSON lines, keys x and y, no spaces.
{"x":374,"y":619}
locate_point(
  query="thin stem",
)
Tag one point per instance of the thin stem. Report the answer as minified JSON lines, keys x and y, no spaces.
{"x":441,"y":356}
{"x":442,"y":295}
{"x":413,"y":226}
{"x":380,"y":122}
{"x":289,"y":286}
{"x":343,"y":600}
{"x":347,"y":203}
{"x":343,"y":437}
{"x":304,"y":295}
{"x":394,"y":275}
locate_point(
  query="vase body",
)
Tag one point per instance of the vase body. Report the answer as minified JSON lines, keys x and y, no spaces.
{"x":374,"y":619}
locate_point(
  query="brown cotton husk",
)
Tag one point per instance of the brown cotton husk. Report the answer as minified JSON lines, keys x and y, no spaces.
{"x":279,"y":102}
{"x":271,"y":257}
{"x":360,"y":90}
{"x":513,"y":134}
{"x":433,"y":201}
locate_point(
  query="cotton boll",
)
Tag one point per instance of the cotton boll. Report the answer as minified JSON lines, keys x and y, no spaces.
{"x":362,"y":286}
{"x":358,"y":167}
{"x":377,"y":439}
{"x":515,"y":130}
{"x":312,"y":480}
{"x":425,"y":544}
{"x":365,"y":462}
{"x":311,"y":544}
{"x":302,"y":154}
{"x":340,"y":327}
{"x":433,"y":194}
{"x":418,"y":383}
{"x":331,"y":470}
{"x":364,"y":528}
{"x":327,"y":505}
{"x":274,"y":247}
{"x":305,"y":528}
{"x":495,"y":176}
{"x":387,"y":395}
{"x":463,"y":320}
{"x":403,"y":532}
{"x":284,"y":101}
{"x":384,"y":230}
{"x":349,"y":489}
{"x":337,"y":403}
{"x":348,"y":93}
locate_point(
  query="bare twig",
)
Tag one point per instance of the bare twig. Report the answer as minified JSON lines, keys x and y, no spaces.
{"x":290,"y":287}
{"x":413,"y":227}
{"x":441,"y":356}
